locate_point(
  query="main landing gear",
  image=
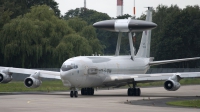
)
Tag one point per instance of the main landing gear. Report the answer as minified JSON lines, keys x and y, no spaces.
{"x":87,"y":91}
{"x":134,"y":91}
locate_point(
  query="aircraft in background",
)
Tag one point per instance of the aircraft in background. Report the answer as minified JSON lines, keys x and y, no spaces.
{"x":87,"y":72}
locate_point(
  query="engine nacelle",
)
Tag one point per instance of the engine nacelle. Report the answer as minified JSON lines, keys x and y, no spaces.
{"x":32,"y":82}
{"x":5,"y":76}
{"x":171,"y":85}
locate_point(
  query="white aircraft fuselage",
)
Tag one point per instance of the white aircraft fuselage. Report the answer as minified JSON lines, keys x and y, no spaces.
{"x":92,"y":71}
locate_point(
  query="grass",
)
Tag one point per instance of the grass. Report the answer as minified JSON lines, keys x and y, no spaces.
{"x":46,"y":86}
{"x":57,"y":85}
{"x":189,"y":103}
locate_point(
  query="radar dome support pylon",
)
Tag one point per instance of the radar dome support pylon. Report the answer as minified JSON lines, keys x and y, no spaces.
{"x":118,"y":44}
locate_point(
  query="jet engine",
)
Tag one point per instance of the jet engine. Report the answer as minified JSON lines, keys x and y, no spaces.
{"x":171,"y":85}
{"x":32,"y":82}
{"x":5,"y":76}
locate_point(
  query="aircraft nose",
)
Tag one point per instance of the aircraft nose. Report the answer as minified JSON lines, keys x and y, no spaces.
{"x":64,"y":74}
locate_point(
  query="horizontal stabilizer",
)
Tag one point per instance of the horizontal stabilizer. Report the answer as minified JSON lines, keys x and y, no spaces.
{"x":171,"y":61}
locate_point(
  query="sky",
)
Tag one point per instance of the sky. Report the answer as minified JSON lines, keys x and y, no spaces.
{"x":110,"y":6}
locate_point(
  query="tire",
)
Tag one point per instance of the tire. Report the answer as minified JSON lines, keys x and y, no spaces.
{"x":82,"y":91}
{"x":85,"y":91}
{"x":92,"y":91}
{"x":75,"y":94}
{"x":71,"y":94}
{"x":133,"y":92}
{"x":136,"y":91}
{"x":89,"y":91}
{"x":129,"y":92}
{"x":139,"y":92}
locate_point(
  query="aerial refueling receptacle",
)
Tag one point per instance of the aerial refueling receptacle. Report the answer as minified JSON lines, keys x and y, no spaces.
{"x":125,"y":25}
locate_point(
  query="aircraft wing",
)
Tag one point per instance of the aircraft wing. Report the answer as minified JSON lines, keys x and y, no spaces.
{"x":139,"y":78}
{"x":43,"y":73}
{"x":171,"y":61}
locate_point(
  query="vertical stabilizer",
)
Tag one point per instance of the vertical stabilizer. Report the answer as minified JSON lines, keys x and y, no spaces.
{"x":144,"y":49}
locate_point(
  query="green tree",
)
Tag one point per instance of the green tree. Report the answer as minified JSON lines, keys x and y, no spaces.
{"x":88,"y":15}
{"x":12,"y":6}
{"x":30,"y":40}
{"x":72,"y":45}
{"x":176,"y":35}
{"x":51,"y":3}
{"x":89,"y":33}
{"x":77,"y":24}
{"x":107,"y":39}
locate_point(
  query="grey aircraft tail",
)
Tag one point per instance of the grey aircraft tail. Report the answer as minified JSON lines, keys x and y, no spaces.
{"x":144,"y":49}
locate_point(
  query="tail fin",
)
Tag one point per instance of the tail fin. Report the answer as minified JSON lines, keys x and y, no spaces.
{"x":144,"y":49}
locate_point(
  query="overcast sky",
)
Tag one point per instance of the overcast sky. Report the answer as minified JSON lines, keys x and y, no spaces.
{"x":110,"y":6}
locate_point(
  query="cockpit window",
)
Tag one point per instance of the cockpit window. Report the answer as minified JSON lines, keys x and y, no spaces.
{"x":68,"y":67}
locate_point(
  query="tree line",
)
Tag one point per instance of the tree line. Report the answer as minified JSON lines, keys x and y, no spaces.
{"x":41,"y":38}
{"x":34,"y":34}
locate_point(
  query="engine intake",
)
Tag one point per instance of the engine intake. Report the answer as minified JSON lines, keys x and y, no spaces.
{"x":32,"y":82}
{"x":171,"y":85}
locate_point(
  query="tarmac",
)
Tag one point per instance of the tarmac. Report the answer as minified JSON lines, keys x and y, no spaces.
{"x":151,"y":100}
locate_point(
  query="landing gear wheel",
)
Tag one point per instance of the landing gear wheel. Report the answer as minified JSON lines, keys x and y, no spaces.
{"x":92,"y":91}
{"x":75,"y":94}
{"x":130,"y":92}
{"x":71,"y":94}
{"x":138,"y":92}
{"x":134,"y":92}
{"x":82,"y":91}
{"x":87,"y":91}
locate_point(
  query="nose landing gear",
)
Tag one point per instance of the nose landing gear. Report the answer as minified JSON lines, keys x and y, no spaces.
{"x":74,"y":93}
